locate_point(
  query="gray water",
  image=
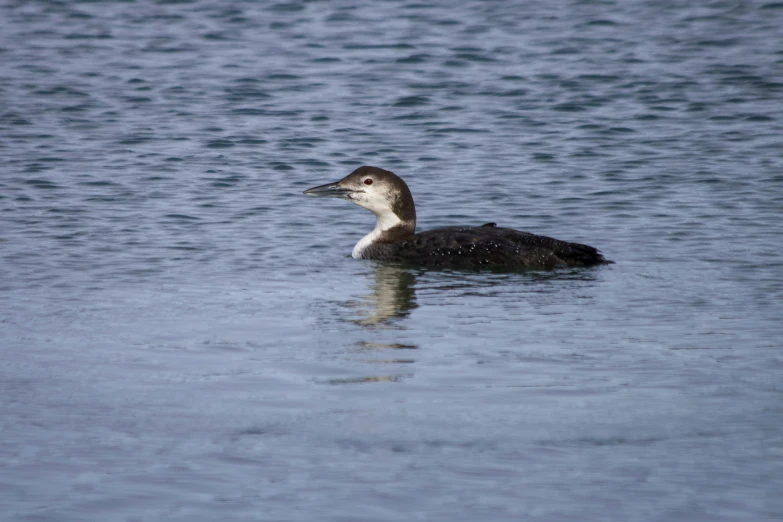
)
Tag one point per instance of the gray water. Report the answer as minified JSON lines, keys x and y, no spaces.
{"x":185,"y":337}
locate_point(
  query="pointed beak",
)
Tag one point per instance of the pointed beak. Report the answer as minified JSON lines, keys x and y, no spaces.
{"x":330,"y":190}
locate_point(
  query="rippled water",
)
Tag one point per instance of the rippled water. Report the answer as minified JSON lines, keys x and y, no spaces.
{"x":185,"y":336}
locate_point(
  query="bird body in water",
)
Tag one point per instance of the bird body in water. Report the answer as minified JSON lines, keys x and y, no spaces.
{"x":487,"y":246}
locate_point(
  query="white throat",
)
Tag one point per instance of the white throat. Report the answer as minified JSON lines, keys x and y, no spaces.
{"x":384,"y":221}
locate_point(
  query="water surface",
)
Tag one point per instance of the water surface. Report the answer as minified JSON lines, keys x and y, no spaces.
{"x":185,"y":336}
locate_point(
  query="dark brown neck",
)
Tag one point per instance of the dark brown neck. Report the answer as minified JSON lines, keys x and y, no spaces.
{"x":397,"y":233}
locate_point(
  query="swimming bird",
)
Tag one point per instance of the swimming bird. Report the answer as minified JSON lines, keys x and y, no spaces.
{"x":395,"y":239}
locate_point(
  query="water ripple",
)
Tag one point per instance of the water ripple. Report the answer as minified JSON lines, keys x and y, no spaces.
{"x":157,"y":254}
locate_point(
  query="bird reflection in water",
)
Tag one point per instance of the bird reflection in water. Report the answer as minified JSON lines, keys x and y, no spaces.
{"x":363,"y":380}
{"x":392,"y":298}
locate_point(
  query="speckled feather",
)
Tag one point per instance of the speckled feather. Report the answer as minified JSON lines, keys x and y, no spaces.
{"x":484,"y":246}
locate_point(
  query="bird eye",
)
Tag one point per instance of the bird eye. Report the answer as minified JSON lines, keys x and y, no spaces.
{"x":368,"y":181}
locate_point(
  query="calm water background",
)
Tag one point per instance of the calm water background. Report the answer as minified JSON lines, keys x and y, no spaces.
{"x":185,"y":336}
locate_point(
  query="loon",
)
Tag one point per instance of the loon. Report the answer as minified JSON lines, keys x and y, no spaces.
{"x":487,"y":246}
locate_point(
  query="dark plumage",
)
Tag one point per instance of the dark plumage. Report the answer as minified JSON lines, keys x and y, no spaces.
{"x":393,"y":239}
{"x":476,"y":247}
